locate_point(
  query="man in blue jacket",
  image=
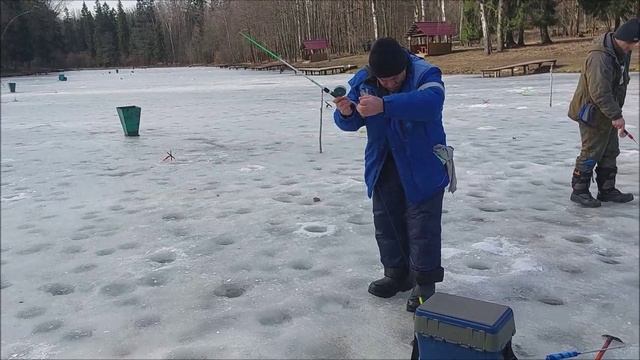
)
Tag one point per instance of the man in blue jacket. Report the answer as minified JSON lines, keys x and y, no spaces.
{"x":399,"y":98}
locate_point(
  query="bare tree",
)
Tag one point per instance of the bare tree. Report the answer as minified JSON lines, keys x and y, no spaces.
{"x":500,"y":39}
{"x":485,"y":28}
{"x":374,"y":19}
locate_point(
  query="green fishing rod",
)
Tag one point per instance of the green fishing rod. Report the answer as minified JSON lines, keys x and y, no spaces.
{"x":337,"y":92}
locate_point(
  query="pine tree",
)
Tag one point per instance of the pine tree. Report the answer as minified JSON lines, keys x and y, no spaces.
{"x":123,"y":32}
{"x":543,"y":15}
{"x":471,"y":30}
{"x":105,"y":35}
{"x":87,"y":29}
{"x":608,"y":10}
{"x":17,"y":40}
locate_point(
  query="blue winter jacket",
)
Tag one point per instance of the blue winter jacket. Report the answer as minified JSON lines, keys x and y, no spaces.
{"x":409,"y":127}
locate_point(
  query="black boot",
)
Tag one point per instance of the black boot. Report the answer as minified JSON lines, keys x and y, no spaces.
{"x":580,"y":184}
{"x":420,"y":294}
{"x":394,"y":281}
{"x":606,"y":179}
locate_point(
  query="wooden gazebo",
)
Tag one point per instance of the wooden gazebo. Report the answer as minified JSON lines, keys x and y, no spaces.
{"x":431,"y":37}
{"x":316,"y":49}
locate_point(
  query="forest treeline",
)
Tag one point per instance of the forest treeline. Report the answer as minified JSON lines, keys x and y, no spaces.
{"x":44,"y":34}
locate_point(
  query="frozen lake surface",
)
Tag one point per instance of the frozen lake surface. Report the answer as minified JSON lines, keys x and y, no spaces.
{"x":110,"y":252}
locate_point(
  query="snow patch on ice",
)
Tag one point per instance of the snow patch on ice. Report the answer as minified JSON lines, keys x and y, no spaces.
{"x":250,"y":168}
{"x":448,"y":253}
{"x":486,"y":105}
{"x":498,"y":246}
{"x":526,"y":264}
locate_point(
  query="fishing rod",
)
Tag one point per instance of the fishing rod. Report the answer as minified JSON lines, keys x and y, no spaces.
{"x":630,"y":136}
{"x":337,"y":92}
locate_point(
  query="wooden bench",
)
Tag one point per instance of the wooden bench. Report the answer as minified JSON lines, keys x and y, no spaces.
{"x":497,"y":71}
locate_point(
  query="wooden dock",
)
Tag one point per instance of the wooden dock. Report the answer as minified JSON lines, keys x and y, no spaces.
{"x":497,"y":71}
{"x":328,"y":70}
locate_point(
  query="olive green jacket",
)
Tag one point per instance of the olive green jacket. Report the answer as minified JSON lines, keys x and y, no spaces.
{"x":603,"y":81}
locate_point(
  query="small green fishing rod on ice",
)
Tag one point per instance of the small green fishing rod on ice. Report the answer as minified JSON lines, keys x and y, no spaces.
{"x":337,"y":92}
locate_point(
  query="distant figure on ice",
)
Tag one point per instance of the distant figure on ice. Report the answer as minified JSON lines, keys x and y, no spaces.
{"x":597,"y":107}
{"x":399,"y":98}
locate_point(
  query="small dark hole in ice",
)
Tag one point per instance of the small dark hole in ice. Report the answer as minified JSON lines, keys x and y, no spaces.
{"x":47,"y":326}
{"x":77,"y":334}
{"x":58,"y":289}
{"x":609,"y":261}
{"x":147,"y":321}
{"x":479,"y":266}
{"x":301,"y":265}
{"x":607,"y":252}
{"x":229,"y":291}
{"x":224,"y":241}
{"x":551,"y":301}
{"x":84,"y":268}
{"x":571,"y":269}
{"x":315,"y":228}
{"x":79,"y":236}
{"x":491,"y":209}
{"x":31,"y":312}
{"x":163,"y":256}
{"x":117,"y":288}
{"x":173,"y":217}
{"x":578,"y":239}
{"x":105,"y":252}
{"x":276,"y":317}
{"x":129,"y":245}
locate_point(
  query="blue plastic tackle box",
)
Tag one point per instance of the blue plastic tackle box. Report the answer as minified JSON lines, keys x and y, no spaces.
{"x":455,"y":327}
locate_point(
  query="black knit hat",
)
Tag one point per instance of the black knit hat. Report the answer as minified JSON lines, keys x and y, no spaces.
{"x":387,"y":58}
{"x":629,"y":31}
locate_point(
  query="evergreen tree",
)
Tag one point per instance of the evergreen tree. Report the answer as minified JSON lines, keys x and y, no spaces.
{"x":17,"y":41}
{"x":608,"y":10}
{"x":543,"y":15}
{"x":87,"y":30}
{"x":69,"y":33}
{"x":123,"y":32}
{"x":105,"y":35}
{"x":143,"y":36}
{"x":471,"y":30}
{"x":46,"y":33}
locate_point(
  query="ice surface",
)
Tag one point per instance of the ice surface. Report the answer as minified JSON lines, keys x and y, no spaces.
{"x":253,"y":244}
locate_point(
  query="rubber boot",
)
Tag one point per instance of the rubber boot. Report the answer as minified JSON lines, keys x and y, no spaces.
{"x":420,"y":294}
{"x":580,"y":183}
{"x":394,"y":281}
{"x":606,"y":180}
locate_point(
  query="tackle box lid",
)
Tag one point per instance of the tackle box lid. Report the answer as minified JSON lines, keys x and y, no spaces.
{"x":480,"y":324}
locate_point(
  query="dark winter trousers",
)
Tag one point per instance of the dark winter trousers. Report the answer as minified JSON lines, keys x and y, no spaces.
{"x":408,"y":235}
{"x":599,"y":146}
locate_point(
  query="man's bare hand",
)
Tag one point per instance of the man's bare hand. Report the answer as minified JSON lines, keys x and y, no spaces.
{"x":370,"y":105}
{"x":343,"y":104}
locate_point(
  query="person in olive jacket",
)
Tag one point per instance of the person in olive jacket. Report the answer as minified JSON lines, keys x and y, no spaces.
{"x":597,"y":107}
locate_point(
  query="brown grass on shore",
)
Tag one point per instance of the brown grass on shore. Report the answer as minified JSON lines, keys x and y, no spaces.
{"x":570,"y":54}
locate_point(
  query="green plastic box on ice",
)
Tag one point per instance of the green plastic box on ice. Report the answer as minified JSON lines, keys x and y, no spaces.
{"x":130,"y":119}
{"x":12,"y":87}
